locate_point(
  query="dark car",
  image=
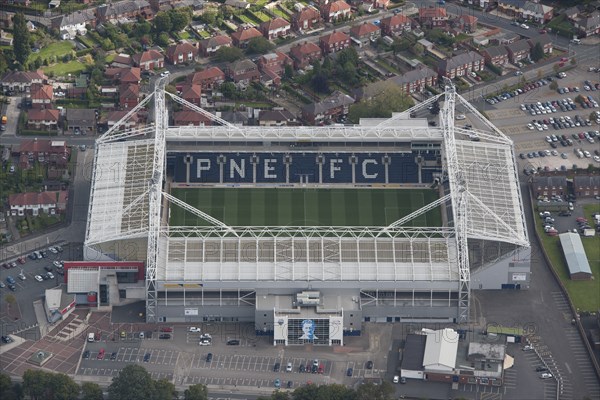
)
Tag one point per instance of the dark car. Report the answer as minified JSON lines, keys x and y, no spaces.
{"x":209,"y":357}
{"x":233,"y":342}
{"x":276,"y":367}
{"x":369,"y":364}
{"x":541,"y":369}
{"x":302,"y":368}
{"x":290,"y":384}
{"x":164,"y":336}
{"x":32,"y":256}
{"x":6,"y":339}
{"x":48,"y":268}
{"x":314,"y":369}
{"x":86,"y":355}
{"x":6,"y":265}
{"x":113,"y":355}
{"x":12,"y":288}
{"x":147,"y":357}
{"x":349,"y":372}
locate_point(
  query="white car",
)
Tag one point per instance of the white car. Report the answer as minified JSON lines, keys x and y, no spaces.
{"x":50,"y":275}
{"x":586,"y":154}
{"x":460,"y":117}
{"x":545,"y":375}
{"x":56,"y":264}
{"x":39,"y":278}
{"x":396,"y":379}
{"x":194,"y":329}
{"x":288,"y":367}
{"x":163,"y":74}
{"x":204,"y":342}
{"x":597,"y":159}
{"x":52,"y":250}
{"x":524,"y":26}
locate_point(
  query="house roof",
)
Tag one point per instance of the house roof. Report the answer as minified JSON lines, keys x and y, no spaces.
{"x":276,"y":115}
{"x":210,"y":73}
{"x":132,"y":74}
{"x":536,"y":8}
{"x":245,"y":34}
{"x":124,"y":59}
{"x":335,"y":7}
{"x":192,"y":91}
{"x":307,"y":13}
{"x":336,"y":99}
{"x":549,"y":181}
{"x":586,"y":180}
{"x":42,"y":92}
{"x":116,"y":116}
{"x":129,"y":91}
{"x":413,"y":76}
{"x":276,"y":56}
{"x":334,"y":37}
{"x":496,"y":51}
{"x":242,"y":65}
{"x":219,"y":40}
{"x":541,"y":39}
{"x":577,"y":261}
{"x":23,"y":76}
{"x":461,"y":59}
{"x":117,"y":9}
{"x":275,"y":23}
{"x":147,"y":56}
{"x":441,"y":349}
{"x":76,"y":18}
{"x":81,"y":114}
{"x":43,"y":146}
{"x":592,"y":21}
{"x":43,"y":115}
{"x":181,"y":48}
{"x":432,"y":12}
{"x":366,"y":28}
{"x":35,"y":198}
{"x":518,"y":46}
{"x":395,"y":20}
{"x":468,"y":19}
{"x":304,"y":49}
{"x":187,"y":117}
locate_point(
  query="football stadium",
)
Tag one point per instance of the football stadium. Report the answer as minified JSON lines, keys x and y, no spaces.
{"x":306,"y":232}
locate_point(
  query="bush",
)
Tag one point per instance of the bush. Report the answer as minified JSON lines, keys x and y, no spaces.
{"x":83,"y":52}
{"x":494,"y":69}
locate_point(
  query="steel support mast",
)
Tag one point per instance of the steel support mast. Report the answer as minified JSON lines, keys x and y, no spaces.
{"x":155,"y":194}
{"x":459,"y":194}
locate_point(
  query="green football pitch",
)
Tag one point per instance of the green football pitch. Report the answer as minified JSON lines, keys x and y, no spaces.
{"x":304,"y":207}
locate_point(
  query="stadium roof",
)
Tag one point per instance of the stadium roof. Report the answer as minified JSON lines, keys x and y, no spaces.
{"x":118,"y":198}
{"x":574,"y":253}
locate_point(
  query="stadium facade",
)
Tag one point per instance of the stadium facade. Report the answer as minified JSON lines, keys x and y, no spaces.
{"x":302,"y":282}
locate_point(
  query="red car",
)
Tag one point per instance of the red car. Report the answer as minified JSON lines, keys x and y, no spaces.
{"x":166,"y":329}
{"x":542,"y":31}
{"x":21,"y":260}
{"x":101,"y":354}
{"x":564,"y":59}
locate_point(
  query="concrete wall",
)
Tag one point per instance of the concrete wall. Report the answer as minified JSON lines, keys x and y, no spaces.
{"x":507,"y":270}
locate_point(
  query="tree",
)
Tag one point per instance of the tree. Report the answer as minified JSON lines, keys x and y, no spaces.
{"x":391,"y":99}
{"x":556,"y":67}
{"x":179,"y":20}
{"x":259,"y":45}
{"x":573,"y":61}
{"x":537,"y":52}
{"x":91,"y":391}
{"x":62,"y":387}
{"x":417,"y":49}
{"x":196,"y":392}
{"x":553,"y":85}
{"x":132,"y":383}
{"x":7,"y":391}
{"x":400,"y":45}
{"x":3,"y":62}
{"x":35,"y":384}
{"x":164,"y":390}
{"x":162,"y":22}
{"x":209,"y":17}
{"x":142,"y":28}
{"x":163,"y":39}
{"x":21,"y":39}
{"x":288,"y":71}
{"x":370,"y":391}
{"x":10,"y":299}
{"x":228,"y":54}
{"x":228,"y":90}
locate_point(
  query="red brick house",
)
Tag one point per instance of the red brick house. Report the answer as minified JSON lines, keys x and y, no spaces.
{"x":365,"y":32}
{"x":304,"y":54}
{"x":547,"y":186}
{"x":188,"y":117}
{"x":335,"y":11}
{"x":465,"y":23}
{"x":334,"y":42}
{"x":497,"y":55}
{"x":129,"y":95}
{"x":182,"y":53}
{"x":395,"y":25}
{"x":544,"y":40}
{"x":192,"y":93}
{"x":243,"y":71}
{"x":209,"y":47}
{"x":43,"y":119}
{"x":126,"y":9}
{"x":433,"y":17}
{"x":207,"y":79}
{"x":306,"y":19}
{"x":416,"y":80}
{"x":54,"y":152}
{"x":42,"y":96}
{"x":586,"y":185}
{"x":518,"y":50}
{"x":243,"y":36}
{"x":274,"y":62}
{"x":147,"y":60}
{"x":461,"y":64}
{"x":124,"y":75}
{"x":380,"y":4}
{"x":277,"y":27}
{"x":33,"y":202}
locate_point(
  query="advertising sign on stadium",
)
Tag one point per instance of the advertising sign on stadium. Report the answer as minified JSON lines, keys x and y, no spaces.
{"x":191,"y":312}
{"x":519,"y":276}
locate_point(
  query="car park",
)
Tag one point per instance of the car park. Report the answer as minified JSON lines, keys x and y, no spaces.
{"x":113,"y":355}
{"x":164,"y":336}
{"x":209,"y":357}
{"x":276,"y":367}
{"x":101,"y":354}
{"x":194,"y":329}
{"x":147,"y":357}
{"x":86,"y":355}
{"x":545,"y":375}
{"x":277,"y":383}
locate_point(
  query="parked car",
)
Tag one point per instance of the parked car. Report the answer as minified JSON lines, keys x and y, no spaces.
{"x":101,"y":354}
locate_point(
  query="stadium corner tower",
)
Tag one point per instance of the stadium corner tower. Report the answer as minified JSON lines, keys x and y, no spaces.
{"x":309,"y":231}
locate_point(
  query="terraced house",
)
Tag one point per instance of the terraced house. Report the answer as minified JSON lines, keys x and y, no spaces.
{"x":461,"y":64}
{"x":124,"y":10}
{"x":497,"y":55}
{"x":208,"y":47}
{"x":334,"y":42}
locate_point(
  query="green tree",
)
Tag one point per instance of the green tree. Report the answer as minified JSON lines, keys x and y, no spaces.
{"x":400,"y":45}
{"x":3,"y":62}
{"x":391,"y":99}
{"x":164,"y":390}
{"x":288,"y":71}
{"x":573,"y":61}
{"x":142,"y":28}
{"x":7,"y":391}
{"x":179,"y":20}
{"x":91,"y":391}
{"x":162,"y":22}
{"x":226,"y":11}
{"x":21,"y":39}
{"x":36,"y":384}
{"x":370,"y":391}
{"x":209,"y":17}
{"x":10,"y":299}
{"x":62,"y":387}
{"x":259,"y":45}
{"x":553,"y":85}
{"x":163,"y":39}
{"x":228,"y":90}
{"x":228,"y":54}
{"x":132,"y":383}
{"x":196,"y":392}
{"x":537,"y":52}
{"x":417,"y":49}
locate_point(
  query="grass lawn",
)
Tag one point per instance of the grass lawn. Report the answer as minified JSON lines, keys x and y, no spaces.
{"x":63,"y":69}
{"x":280,"y":13}
{"x":204,"y":34}
{"x":305,"y":207}
{"x":57,"y":49}
{"x":584,"y":294}
{"x":262,"y":16}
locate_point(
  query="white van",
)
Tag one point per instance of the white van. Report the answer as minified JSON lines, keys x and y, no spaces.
{"x":576,"y":41}
{"x":91,"y":337}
